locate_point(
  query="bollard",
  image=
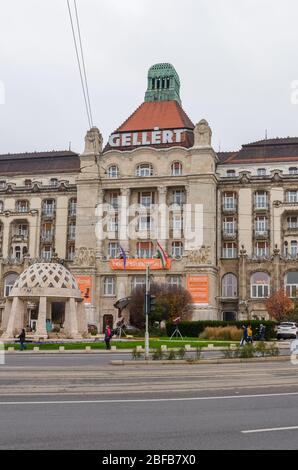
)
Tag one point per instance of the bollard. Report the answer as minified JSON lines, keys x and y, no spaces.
{"x":113,"y":348}
{"x":61,"y":348}
{"x":233,"y":346}
{"x":88,"y":349}
{"x":164,"y":348}
{"x":210,"y":346}
{"x":36,"y":348}
{"x":187,"y":347}
{"x":139,"y":348}
{"x":11,"y":349}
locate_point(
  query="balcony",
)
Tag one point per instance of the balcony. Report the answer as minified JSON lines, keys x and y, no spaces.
{"x":72,"y":211}
{"x":47,"y":237}
{"x":20,"y":237}
{"x":261,"y":206}
{"x":229,"y":208}
{"x":261,"y":234}
{"x":229,"y":235}
{"x":48,"y":211}
{"x":229,"y":253}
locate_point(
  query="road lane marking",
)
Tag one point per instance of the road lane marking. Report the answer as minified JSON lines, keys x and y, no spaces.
{"x":289,"y":428}
{"x":145,"y":400}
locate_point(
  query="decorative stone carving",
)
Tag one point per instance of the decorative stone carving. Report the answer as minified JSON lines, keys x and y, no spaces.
{"x":84,"y":256}
{"x":93,"y":141}
{"x":201,"y":256}
{"x":202,"y":134}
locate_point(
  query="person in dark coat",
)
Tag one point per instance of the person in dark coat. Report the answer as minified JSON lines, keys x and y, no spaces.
{"x":244,"y":335}
{"x":262,"y":332}
{"x":108,"y":336}
{"x":22,"y":338}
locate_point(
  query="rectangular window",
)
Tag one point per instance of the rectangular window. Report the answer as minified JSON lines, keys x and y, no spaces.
{"x":178,"y":197}
{"x":114,"y":200}
{"x":175,"y":281}
{"x":229,"y":226}
{"x":113,"y":250}
{"x":138,"y":281}
{"x":261,"y":225}
{"x":113,"y":224}
{"x":292,"y":196}
{"x":146,"y":199}
{"x":261,"y":200}
{"x":144,"y":223}
{"x":109,"y":285}
{"x":229,"y":250}
{"x":144,"y":250}
{"x":46,"y":253}
{"x":229,"y":201}
{"x":71,"y":252}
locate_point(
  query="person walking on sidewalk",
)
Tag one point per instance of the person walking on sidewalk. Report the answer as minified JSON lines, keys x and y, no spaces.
{"x":108,"y":336}
{"x":22,"y":338}
{"x":249,"y":334}
{"x":244,"y":336}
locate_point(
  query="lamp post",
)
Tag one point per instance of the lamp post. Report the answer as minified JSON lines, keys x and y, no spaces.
{"x":146,"y":312}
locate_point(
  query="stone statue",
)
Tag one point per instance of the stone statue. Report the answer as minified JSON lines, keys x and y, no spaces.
{"x":201,"y":256}
{"x":84,"y":256}
{"x":93,"y":141}
{"x":202,"y":134}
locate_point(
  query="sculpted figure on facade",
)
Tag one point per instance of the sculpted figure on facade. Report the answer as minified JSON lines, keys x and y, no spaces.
{"x":84,"y":257}
{"x":202,"y":134}
{"x":201,"y":256}
{"x":93,"y":141}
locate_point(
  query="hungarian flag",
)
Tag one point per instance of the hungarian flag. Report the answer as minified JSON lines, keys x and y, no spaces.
{"x":162,"y":255}
{"x":123,"y":256}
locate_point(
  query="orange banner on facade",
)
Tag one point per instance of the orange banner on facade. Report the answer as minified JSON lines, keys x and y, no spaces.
{"x":198,"y":287}
{"x":140,"y":264}
{"x":85,"y":286}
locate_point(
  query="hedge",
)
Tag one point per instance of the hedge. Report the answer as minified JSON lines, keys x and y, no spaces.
{"x":193,"y":329}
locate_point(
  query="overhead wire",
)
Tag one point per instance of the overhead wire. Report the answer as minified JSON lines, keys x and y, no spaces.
{"x":79,"y":65}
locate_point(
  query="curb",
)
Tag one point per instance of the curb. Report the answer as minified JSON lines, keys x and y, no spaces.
{"x":202,"y":361}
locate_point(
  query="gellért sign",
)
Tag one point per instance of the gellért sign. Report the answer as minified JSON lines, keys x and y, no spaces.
{"x":154,"y":137}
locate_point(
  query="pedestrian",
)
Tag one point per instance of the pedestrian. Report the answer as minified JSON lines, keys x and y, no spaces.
{"x":244,"y":336}
{"x":108,"y":336}
{"x":262,"y":332}
{"x":22,"y":338}
{"x":249,"y":334}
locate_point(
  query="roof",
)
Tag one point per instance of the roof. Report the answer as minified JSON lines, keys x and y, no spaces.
{"x":263,"y":151}
{"x":162,"y":114}
{"x":55,"y":161}
{"x":153,"y":115}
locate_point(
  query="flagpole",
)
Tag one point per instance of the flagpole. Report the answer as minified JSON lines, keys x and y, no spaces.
{"x":146,"y":312}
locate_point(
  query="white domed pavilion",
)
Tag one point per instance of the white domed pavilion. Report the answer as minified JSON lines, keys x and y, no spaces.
{"x":45,"y":284}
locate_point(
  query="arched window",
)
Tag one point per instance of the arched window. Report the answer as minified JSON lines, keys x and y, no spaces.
{"x":144,"y":170}
{"x":291,"y":284}
{"x":260,"y":285}
{"x":229,"y":286}
{"x":176,"y":169}
{"x":9,"y":281}
{"x":113,"y":171}
{"x":177,"y":249}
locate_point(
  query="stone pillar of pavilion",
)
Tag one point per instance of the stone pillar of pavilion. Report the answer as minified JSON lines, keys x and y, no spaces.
{"x":41,"y":330}
{"x":15,"y":322}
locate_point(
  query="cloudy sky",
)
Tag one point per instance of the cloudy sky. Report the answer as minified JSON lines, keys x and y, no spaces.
{"x":236,"y":61}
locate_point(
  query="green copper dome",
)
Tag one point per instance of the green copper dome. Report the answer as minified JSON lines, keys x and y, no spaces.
{"x":163,"y":83}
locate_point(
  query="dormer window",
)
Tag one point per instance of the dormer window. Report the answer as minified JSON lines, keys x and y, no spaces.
{"x":2,"y":184}
{"x":53,"y":182}
{"x":231,"y":173}
{"x":261,"y":172}
{"x":293,"y":170}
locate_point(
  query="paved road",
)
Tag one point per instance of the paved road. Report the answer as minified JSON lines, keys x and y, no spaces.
{"x":92,"y":405}
{"x":216,"y":423}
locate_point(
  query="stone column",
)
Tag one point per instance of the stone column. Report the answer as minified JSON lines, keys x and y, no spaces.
{"x":99,"y":224}
{"x":276,"y":285}
{"x":123,"y":219}
{"x":163,"y":217}
{"x":13,"y":317}
{"x":71,"y":321}
{"x":81,"y":318}
{"x":41,"y":331}
{"x":242,"y":287}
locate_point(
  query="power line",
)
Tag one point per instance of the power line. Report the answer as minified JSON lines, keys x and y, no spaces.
{"x":79,"y":65}
{"x":83,"y":62}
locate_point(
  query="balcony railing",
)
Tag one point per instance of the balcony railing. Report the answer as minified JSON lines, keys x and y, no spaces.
{"x":47,"y":236}
{"x":261,"y":233}
{"x":261,"y":206}
{"x":229,"y":253}
{"x":48,"y":211}
{"x":229,"y":207}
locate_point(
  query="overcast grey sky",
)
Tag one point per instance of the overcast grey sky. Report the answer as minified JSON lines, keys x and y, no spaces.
{"x":236,"y":61}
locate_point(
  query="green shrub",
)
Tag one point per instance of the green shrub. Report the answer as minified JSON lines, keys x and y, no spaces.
{"x":172,"y":355}
{"x":261,"y":348}
{"x":247,"y":351}
{"x":158,"y":354}
{"x":181,"y":353}
{"x":193,"y":329}
{"x":272,"y":350}
{"x":229,"y":353}
{"x":136,"y":354}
